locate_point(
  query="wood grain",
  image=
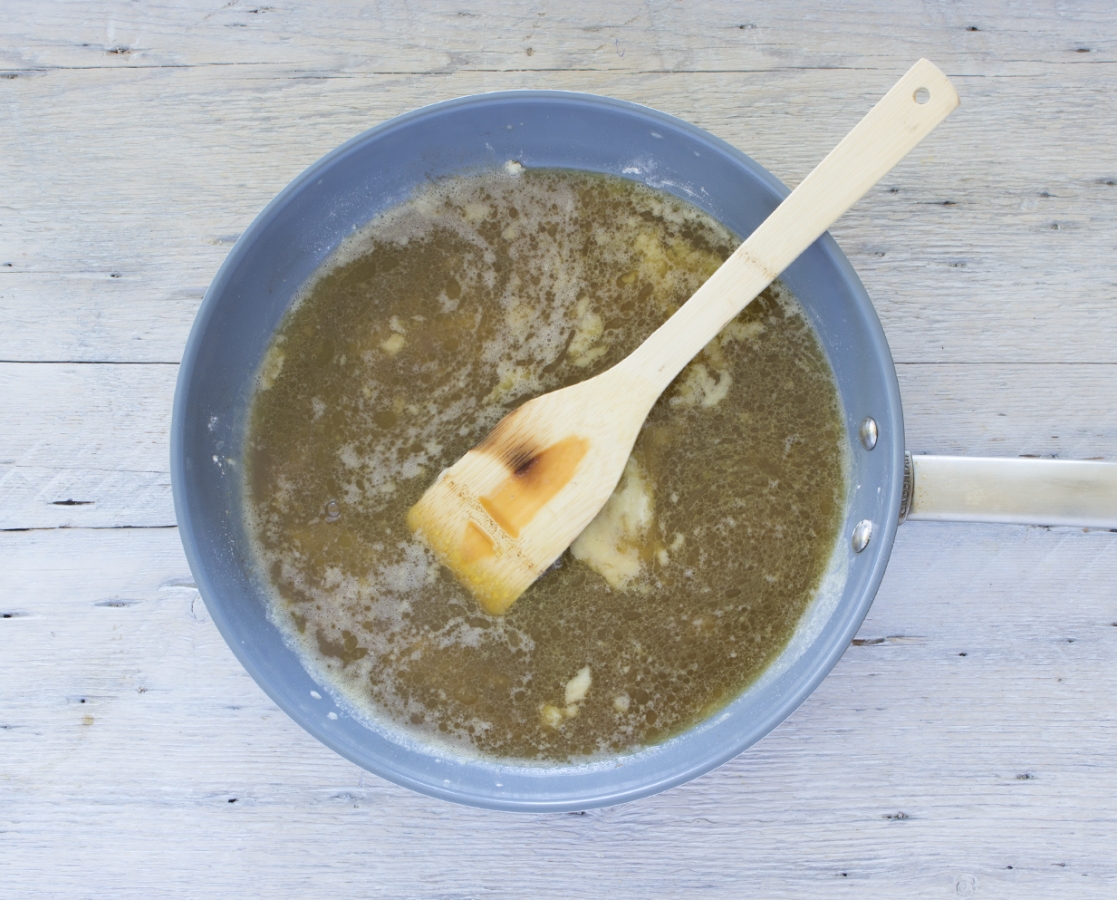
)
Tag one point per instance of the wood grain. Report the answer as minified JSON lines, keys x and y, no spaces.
{"x":330,"y":38}
{"x":85,"y":445}
{"x":138,"y":140}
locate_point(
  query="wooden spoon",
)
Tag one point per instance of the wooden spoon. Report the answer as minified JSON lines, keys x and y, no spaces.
{"x":501,"y":515}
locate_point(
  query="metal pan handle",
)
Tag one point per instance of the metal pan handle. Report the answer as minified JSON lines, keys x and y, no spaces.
{"x":1018,"y":491}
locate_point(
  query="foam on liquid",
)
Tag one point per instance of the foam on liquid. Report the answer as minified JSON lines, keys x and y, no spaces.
{"x":414,"y":339}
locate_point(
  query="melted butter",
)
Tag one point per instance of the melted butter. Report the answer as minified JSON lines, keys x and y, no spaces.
{"x":615,"y":544}
{"x":405,"y":350}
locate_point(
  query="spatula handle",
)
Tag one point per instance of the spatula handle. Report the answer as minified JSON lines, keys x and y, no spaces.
{"x":892,"y":128}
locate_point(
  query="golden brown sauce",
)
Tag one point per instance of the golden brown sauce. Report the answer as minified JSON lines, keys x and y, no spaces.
{"x":417,"y":337}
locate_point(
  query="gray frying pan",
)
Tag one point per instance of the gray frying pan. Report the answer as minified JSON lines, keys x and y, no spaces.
{"x":379,"y":169}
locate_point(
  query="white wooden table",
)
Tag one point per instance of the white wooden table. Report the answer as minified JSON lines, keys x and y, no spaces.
{"x":966,"y":744}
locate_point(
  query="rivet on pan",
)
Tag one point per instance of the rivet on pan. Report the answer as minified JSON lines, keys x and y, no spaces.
{"x":868,"y":433}
{"x":862,"y":531}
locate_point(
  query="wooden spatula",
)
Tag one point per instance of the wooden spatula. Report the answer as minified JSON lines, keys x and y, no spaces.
{"x":501,"y":515}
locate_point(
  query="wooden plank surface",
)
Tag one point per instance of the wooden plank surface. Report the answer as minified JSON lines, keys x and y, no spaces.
{"x":1006,"y":205}
{"x":964,"y":744}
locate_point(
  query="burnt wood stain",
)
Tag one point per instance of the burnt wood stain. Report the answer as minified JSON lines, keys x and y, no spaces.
{"x":536,"y":477}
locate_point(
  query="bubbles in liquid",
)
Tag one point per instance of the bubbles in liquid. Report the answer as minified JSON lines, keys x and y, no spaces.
{"x":407,"y":347}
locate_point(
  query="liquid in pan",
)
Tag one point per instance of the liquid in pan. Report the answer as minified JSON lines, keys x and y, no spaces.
{"x":412,"y":341}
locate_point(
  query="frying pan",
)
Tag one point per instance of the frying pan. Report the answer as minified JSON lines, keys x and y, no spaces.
{"x":298,"y":230}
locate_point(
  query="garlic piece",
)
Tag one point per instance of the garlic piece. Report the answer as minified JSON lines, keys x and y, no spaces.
{"x":578,"y":686}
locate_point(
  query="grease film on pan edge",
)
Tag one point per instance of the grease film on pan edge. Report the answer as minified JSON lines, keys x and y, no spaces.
{"x":407,"y":347}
